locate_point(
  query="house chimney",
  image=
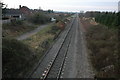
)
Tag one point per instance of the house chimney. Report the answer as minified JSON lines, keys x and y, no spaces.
{"x":19,"y":6}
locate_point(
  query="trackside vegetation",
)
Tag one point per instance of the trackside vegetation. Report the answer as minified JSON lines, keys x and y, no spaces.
{"x":103,"y":43}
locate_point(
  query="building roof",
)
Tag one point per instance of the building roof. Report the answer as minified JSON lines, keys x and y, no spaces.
{"x":25,"y":7}
{"x":13,"y":12}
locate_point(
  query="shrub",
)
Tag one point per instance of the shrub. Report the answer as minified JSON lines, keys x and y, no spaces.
{"x":15,"y":22}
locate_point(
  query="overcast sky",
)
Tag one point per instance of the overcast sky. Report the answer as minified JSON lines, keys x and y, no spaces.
{"x":66,"y":5}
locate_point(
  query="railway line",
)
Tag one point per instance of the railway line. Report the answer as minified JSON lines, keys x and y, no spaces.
{"x":53,"y":62}
{"x":55,"y":67}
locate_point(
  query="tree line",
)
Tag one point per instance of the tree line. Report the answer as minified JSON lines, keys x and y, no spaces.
{"x":110,"y":19}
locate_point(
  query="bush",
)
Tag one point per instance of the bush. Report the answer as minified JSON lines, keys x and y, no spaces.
{"x":16,"y":58}
{"x":39,"y":18}
{"x":15,"y":22}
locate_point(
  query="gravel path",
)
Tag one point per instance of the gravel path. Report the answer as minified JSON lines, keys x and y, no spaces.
{"x":28,"y":34}
{"x":77,"y":64}
{"x":84,"y":70}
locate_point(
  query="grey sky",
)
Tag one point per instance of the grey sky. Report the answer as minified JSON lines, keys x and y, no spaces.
{"x":66,"y":5}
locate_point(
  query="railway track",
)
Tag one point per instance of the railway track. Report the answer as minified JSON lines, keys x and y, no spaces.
{"x":55,"y":67}
{"x":50,"y":66}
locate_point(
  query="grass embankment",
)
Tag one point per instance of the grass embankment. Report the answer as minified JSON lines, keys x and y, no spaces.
{"x":19,"y":57}
{"x":103,"y":49}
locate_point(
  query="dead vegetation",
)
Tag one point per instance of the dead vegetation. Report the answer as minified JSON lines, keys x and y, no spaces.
{"x":103,"y":49}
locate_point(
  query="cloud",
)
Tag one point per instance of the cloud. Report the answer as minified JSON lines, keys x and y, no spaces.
{"x":70,"y":5}
{"x":85,"y":8}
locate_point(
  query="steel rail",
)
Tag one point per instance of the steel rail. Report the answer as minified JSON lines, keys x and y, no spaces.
{"x":52,"y":63}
